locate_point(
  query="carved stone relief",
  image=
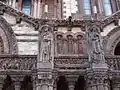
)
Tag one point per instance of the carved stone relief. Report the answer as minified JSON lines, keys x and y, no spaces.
{"x":69,"y":43}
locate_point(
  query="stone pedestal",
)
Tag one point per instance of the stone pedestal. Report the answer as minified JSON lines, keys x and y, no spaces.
{"x":97,"y":79}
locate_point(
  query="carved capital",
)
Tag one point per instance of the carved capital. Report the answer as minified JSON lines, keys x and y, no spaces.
{"x":97,"y":76}
{"x":17,"y":78}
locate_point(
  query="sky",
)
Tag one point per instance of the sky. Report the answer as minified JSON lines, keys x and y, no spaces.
{"x":70,"y":6}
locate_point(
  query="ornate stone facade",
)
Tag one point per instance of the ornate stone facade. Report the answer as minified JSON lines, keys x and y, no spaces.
{"x":71,"y":54}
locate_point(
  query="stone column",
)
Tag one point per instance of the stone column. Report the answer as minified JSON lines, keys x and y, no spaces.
{"x":14,"y":3}
{"x":35,"y":8}
{"x":71,"y":85}
{"x":39,"y":9}
{"x":10,"y":2}
{"x":17,"y":81}
{"x":71,"y":81}
{"x":97,"y":79}
{"x":17,"y":85}
{"x":2,"y":77}
{"x":34,"y":82}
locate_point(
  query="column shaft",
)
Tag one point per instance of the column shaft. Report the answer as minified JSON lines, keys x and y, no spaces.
{"x":71,"y":86}
{"x":14,"y":3}
{"x":39,"y":9}
{"x":17,"y":85}
{"x":35,"y":9}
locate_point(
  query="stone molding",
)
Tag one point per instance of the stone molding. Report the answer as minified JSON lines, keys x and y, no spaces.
{"x":116,"y":39}
{"x":13,"y":48}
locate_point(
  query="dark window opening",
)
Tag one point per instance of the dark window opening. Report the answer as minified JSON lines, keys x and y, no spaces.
{"x":117,"y":49}
{"x":8,"y":84}
{"x":62,"y":84}
{"x":80,"y":84}
{"x":26,"y":84}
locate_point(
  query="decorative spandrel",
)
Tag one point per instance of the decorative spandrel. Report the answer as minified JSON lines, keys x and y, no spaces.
{"x":95,"y":47}
{"x":46,"y":47}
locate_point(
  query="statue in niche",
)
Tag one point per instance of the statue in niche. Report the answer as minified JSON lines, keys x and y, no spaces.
{"x":80,"y":44}
{"x":45,"y":44}
{"x":59,"y":44}
{"x":94,"y":40}
{"x":70,"y":44}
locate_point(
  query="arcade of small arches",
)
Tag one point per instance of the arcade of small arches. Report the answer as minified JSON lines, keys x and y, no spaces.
{"x":26,"y":83}
{"x":70,"y":43}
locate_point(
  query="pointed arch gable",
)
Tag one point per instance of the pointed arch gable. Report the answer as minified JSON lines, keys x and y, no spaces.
{"x":8,"y":37}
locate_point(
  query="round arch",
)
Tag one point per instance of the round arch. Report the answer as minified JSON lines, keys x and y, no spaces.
{"x":111,"y":41}
{"x":8,"y":37}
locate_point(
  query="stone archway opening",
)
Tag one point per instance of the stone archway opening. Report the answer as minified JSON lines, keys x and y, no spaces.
{"x":8,"y":84}
{"x":80,"y":84}
{"x":26,"y":84}
{"x":62,"y":83}
{"x":117,"y":49}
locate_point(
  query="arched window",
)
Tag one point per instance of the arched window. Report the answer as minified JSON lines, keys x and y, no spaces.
{"x":87,"y":8}
{"x":107,"y":7}
{"x":26,"y":6}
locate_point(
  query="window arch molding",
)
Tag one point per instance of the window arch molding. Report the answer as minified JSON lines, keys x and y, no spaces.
{"x":8,"y":37}
{"x":111,"y":40}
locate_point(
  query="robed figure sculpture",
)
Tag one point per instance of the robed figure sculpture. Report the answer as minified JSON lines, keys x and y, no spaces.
{"x":46,"y":44}
{"x":95,"y":47}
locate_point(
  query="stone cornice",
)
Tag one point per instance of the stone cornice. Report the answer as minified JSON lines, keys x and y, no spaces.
{"x":113,"y":18}
{"x":9,"y":10}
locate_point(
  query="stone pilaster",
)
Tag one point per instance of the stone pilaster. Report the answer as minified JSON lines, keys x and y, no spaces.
{"x":34,"y":79}
{"x":97,"y":79}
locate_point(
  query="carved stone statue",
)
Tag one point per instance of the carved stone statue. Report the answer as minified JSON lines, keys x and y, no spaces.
{"x":95,"y":44}
{"x":45,"y":45}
